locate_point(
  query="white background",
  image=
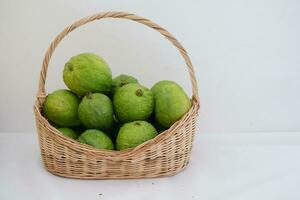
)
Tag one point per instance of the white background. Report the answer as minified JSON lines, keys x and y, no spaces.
{"x":246,"y":57}
{"x":245,"y":53}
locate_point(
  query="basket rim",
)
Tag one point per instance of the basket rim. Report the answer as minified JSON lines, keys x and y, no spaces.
{"x":112,"y":154}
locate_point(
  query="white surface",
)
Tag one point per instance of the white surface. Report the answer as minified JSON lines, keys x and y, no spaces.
{"x":229,"y":166}
{"x":246,"y":55}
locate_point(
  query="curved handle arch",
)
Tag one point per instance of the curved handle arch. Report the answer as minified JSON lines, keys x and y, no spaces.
{"x":43,"y":73}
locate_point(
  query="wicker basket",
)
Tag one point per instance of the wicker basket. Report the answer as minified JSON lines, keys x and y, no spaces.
{"x":165,"y":155}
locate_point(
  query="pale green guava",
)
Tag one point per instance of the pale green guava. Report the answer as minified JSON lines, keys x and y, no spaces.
{"x":61,"y":107}
{"x":96,"y":111}
{"x":96,"y":138}
{"x":134,"y":133}
{"x":171,"y":102}
{"x":68,"y":132}
{"x":133,"y":102}
{"x":87,"y":72}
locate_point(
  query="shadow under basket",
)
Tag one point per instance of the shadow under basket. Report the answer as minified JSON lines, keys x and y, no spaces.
{"x":165,"y":155}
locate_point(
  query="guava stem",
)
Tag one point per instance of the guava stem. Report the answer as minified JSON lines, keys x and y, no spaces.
{"x":122,"y":83}
{"x":137,"y":123}
{"x":89,"y":95}
{"x":69,"y":66}
{"x":139,"y":92}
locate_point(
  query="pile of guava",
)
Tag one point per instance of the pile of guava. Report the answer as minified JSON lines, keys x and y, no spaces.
{"x":111,"y":113}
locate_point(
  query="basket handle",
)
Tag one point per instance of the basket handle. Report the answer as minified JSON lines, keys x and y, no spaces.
{"x":43,"y":73}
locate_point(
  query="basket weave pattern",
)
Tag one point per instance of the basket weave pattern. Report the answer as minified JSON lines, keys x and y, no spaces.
{"x":166,"y":154}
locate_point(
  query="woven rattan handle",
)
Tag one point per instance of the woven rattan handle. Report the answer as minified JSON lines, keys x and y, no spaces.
{"x":124,"y":15}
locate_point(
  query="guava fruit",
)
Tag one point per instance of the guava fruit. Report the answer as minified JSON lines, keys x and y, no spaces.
{"x":171,"y":102}
{"x":96,"y":138}
{"x":68,"y":132}
{"x":96,"y":111}
{"x":87,"y":72}
{"x":120,"y":81}
{"x":61,"y":107}
{"x":134,"y":133}
{"x":133,"y":102}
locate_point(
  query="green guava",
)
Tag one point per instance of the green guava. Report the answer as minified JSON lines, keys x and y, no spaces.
{"x":87,"y":72}
{"x":133,"y":102}
{"x":96,"y":138}
{"x":120,"y":81}
{"x":61,"y":107}
{"x":68,"y":132}
{"x":96,"y":111}
{"x":134,"y":133}
{"x":171,"y":102}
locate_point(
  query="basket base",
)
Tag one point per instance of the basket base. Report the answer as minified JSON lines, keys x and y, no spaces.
{"x":172,"y":173}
